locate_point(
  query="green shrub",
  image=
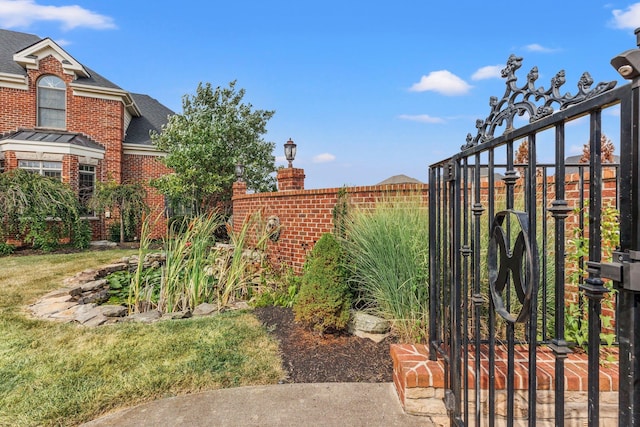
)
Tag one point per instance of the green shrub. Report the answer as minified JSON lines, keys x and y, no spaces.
{"x":82,"y":234}
{"x":281,"y":293}
{"x":6,"y":248}
{"x":323,"y":301}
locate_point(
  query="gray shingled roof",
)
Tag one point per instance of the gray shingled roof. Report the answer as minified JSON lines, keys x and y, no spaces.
{"x":10,"y":43}
{"x":53,"y":137}
{"x":153,"y":116}
{"x":400,"y":179}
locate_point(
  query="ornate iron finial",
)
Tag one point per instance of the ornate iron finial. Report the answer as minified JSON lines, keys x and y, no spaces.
{"x":536,"y":102}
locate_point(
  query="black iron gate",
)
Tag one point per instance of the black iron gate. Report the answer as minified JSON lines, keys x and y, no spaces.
{"x":523,"y":242}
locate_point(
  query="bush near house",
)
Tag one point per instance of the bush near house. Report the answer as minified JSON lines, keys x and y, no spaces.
{"x":324,"y":300}
{"x":39,"y":211}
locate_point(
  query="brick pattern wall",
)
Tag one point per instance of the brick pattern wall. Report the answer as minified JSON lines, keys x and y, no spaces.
{"x":420,"y":384}
{"x":306,"y":214}
{"x":141,"y":169}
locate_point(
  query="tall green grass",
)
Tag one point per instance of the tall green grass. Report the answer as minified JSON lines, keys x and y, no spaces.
{"x":387,"y":249}
{"x":187,"y":280}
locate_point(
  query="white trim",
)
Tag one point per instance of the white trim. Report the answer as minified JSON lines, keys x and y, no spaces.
{"x":142,"y":150}
{"x":14,"y":81}
{"x":48,"y":147}
{"x":30,"y":58}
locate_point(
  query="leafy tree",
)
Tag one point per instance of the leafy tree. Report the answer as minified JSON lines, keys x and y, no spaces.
{"x":127,"y":199}
{"x":35,"y":208}
{"x":216,"y":131}
{"x":607,"y":150}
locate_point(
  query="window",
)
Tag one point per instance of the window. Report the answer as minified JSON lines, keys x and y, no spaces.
{"x":50,"y":169}
{"x":2,"y":165}
{"x":52,"y":94}
{"x":86,"y":186}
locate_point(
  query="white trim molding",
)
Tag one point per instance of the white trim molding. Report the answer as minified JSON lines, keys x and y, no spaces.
{"x":142,"y":150}
{"x":50,"y":148}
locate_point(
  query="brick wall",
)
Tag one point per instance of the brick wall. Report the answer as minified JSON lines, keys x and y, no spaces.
{"x":141,"y":169}
{"x":306,"y":214}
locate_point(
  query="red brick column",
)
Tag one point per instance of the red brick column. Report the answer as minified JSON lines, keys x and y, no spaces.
{"x":290,"y":179}
{"x":239,"y":188}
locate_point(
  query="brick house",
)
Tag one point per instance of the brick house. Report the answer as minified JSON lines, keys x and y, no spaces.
{"x":63,"y":120}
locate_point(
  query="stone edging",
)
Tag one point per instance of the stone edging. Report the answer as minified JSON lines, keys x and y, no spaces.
{"x":79,"y":301}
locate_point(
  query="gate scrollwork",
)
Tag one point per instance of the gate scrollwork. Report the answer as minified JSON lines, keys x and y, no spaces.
{"x":519,"y":260}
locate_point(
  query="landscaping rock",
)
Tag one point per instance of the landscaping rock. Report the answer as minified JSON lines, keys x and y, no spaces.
{"x":113,"y":310}
{"x":92,"y":286}
{"x":205,"y":309}
{"x":239,"y":305}
{"x":95,"y":297}
{"x":45,"y":309}
{"x":87,"y":314}
{"x":112,"y":268}
{"x":146,"y":317}
{"x":98,"y":320}
{"x":74,"y":313}
{"x":185,"y":314}
{"x":368,"y":323}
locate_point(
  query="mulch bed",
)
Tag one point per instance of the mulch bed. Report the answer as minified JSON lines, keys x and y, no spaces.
{"x":311,"y":358}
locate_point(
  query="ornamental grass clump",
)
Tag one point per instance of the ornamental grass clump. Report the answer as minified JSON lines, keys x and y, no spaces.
{"x":187,"y":280}
{"x":387,"y":249}
{"x":324,"y":300}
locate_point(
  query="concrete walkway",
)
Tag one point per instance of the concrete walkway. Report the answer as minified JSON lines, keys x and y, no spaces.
{"x":328,"y":405}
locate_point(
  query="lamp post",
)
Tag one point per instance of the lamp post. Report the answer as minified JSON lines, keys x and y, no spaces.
{"x":239,"y":172}
{"x":290,"y":151}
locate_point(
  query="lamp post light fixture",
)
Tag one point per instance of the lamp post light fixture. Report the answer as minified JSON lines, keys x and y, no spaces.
{"x":290,"y":151}
{"x":239,"y":172}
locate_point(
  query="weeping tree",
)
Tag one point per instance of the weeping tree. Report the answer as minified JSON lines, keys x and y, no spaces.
{"x":37,"y":209}
{"x":126,"y":199}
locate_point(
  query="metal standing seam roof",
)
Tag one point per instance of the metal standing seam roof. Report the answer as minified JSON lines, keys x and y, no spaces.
{"x":53,"y":137}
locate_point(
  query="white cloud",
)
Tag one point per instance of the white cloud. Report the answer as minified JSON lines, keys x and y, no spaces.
{"x":422,"y":118}
{"x":324,"y":158}
{"x":23,"y":13}
{"x":629,"y":18}
{"x":62,"y":42}
{"x":488,"y":72}
{"x":443,"y":82}
{"x":535,"y":47}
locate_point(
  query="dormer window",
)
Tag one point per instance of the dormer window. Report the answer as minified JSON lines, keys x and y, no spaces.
{"x":52,"y":102}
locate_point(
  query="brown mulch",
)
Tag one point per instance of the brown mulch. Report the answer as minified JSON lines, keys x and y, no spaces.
{"x":310,"y":358}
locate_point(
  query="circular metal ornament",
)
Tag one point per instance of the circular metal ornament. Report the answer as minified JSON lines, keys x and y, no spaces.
{"x":521,"y":261}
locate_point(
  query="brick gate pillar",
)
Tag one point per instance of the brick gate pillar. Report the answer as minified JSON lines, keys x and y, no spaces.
{"x":290,"y":179}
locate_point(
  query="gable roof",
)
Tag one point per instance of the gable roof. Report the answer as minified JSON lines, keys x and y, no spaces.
{"x":19,"y":51}
{"x":153,"y":115}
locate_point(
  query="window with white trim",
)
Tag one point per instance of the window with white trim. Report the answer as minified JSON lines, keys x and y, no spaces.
{"x":52,"y":102}
{"x":45,"y":168}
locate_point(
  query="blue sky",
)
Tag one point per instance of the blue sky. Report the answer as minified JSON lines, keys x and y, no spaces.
{"x":366,"y":89}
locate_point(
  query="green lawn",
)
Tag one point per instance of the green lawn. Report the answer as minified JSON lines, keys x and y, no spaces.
{"x":65,"y":374}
